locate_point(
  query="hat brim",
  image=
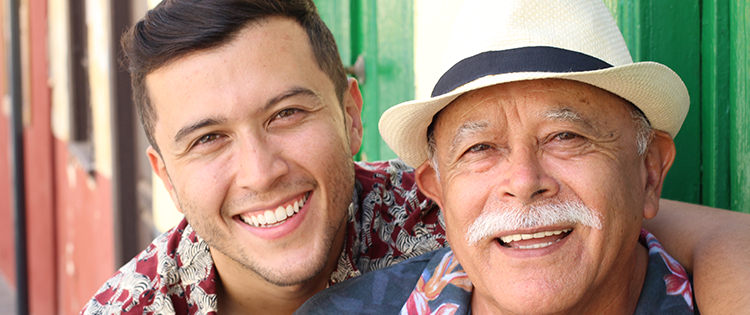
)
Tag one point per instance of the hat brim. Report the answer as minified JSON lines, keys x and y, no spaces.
{"x":652,"y":87}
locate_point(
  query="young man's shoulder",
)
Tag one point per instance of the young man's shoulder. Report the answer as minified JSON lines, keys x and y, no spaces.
{"x":174,"y":274}
{"x":394,"y":172}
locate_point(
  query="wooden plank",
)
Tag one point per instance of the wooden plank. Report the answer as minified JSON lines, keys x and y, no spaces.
{"x":739,"y":100}
{"x":715,"y":103}
{"x":670,"y":34}
{"x":382,"y":31}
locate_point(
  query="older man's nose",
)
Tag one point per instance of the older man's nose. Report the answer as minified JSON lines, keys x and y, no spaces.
{"x":527,"y":180}
{"x":260,"y":166}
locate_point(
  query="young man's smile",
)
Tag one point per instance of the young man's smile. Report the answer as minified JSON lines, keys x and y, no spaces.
{"x":257,"y":148}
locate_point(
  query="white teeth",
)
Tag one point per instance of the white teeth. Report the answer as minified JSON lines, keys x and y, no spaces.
{"x":537,"y":245}
{"x":246,"y":219}
{"x":268,"y":218}
{"x":280,"y":214}
{"x":289,"y":211}
{"x":518,"y":237}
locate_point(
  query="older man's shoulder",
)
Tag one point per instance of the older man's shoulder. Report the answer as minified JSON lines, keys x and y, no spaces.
{"x":668,"y":288}
{"x":380,"y":292}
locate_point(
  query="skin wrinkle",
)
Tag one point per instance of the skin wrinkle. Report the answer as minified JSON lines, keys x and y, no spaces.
{"x":294,"y":91}
{"x":465,"y":131}
{"x":187,"y":130}
{"x":641,"y":124}
{"x":600,"y":167}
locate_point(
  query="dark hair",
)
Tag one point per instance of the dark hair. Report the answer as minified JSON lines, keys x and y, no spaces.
{"x":175,"y":28}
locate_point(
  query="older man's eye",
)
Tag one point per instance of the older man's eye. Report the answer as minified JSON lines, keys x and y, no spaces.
{"x":566,"y":136}
{"x":479,"y":147}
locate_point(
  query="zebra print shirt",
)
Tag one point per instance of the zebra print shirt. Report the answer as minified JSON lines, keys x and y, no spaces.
{"x":389,"y":221}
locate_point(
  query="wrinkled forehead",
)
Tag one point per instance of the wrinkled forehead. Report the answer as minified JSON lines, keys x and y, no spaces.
{"x":554,"y":99}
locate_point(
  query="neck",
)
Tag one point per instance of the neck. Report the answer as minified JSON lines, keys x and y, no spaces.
{"x":618,"y":294}
{"x":254,"y":296}
{"x":620,"y":299}
{"x":242,"y":291}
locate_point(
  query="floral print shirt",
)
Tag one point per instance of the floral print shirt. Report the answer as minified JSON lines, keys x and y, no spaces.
{"x":389,"y":222}
{"x":435,"y":283}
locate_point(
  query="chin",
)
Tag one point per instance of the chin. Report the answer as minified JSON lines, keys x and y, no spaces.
{"x":299,"y":273}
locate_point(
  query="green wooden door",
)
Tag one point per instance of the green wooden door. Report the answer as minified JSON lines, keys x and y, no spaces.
{"x":706,"y":43}
{"x":382,"y":32}
{"x":739,"y":104}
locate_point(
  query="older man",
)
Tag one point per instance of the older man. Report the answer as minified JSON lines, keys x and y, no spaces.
{"x":546,"y":147}
{"x":252,"y":124}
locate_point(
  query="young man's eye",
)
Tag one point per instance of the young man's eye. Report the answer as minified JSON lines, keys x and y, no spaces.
{"x":286,"y":112}
{"x":207,"y":138}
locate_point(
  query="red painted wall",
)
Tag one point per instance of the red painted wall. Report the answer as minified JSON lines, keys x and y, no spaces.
{"x":39,"y":170}
{"x":69,"y":213}
{"x":7,"y":252}
{"x":85,"y":235}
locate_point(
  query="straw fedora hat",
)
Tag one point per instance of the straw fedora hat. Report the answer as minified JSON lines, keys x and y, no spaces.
{"x":500,"y":41}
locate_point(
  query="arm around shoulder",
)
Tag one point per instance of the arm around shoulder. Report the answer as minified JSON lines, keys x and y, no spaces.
{"x":714,"y":245}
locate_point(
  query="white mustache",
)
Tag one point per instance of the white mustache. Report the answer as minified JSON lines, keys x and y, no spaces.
{"x":499,"y":217}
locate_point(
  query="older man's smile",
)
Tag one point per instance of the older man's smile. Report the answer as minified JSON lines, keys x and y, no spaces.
{"x":534,"y":240}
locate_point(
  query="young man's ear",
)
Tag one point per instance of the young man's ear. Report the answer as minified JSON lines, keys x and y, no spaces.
{"x":659,"y":158}
{"x":353,"y":114}
{"x":428,"y":182}
{"x":157,"y":164}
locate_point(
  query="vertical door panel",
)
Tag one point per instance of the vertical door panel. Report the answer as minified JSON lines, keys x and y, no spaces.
{"x":671,"y":35}
{"x":382,"y":32}
{"x":739,"y":100}
{"x":715,"y":103}
{"x":668,"y":32}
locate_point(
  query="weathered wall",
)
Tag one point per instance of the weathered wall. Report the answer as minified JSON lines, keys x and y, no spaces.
{"x":7,"y":254}
{"x":85,"y":235}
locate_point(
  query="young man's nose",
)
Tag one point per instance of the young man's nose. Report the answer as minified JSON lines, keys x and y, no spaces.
{"x":260,"y":165}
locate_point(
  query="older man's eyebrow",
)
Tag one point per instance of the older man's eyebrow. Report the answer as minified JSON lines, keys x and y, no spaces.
{"x":294,"y":91}
{"x":186,"y":130}
{"x":466,"y":130}
{"x":569,"y":115}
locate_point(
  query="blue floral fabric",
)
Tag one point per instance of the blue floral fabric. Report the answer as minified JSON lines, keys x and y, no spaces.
{"x":435,"y":283}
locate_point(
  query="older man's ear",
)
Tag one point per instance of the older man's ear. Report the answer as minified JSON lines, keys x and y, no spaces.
{"x":429,"y":183}
{"x":659,"y":158}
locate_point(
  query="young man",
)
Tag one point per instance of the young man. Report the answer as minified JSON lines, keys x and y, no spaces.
{"x":252,"y":125}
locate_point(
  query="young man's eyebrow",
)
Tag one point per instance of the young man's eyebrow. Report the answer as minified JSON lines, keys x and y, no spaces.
{"x":294,"y":91}
{"x":186,"y":130}
{"x":464,"y":131}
